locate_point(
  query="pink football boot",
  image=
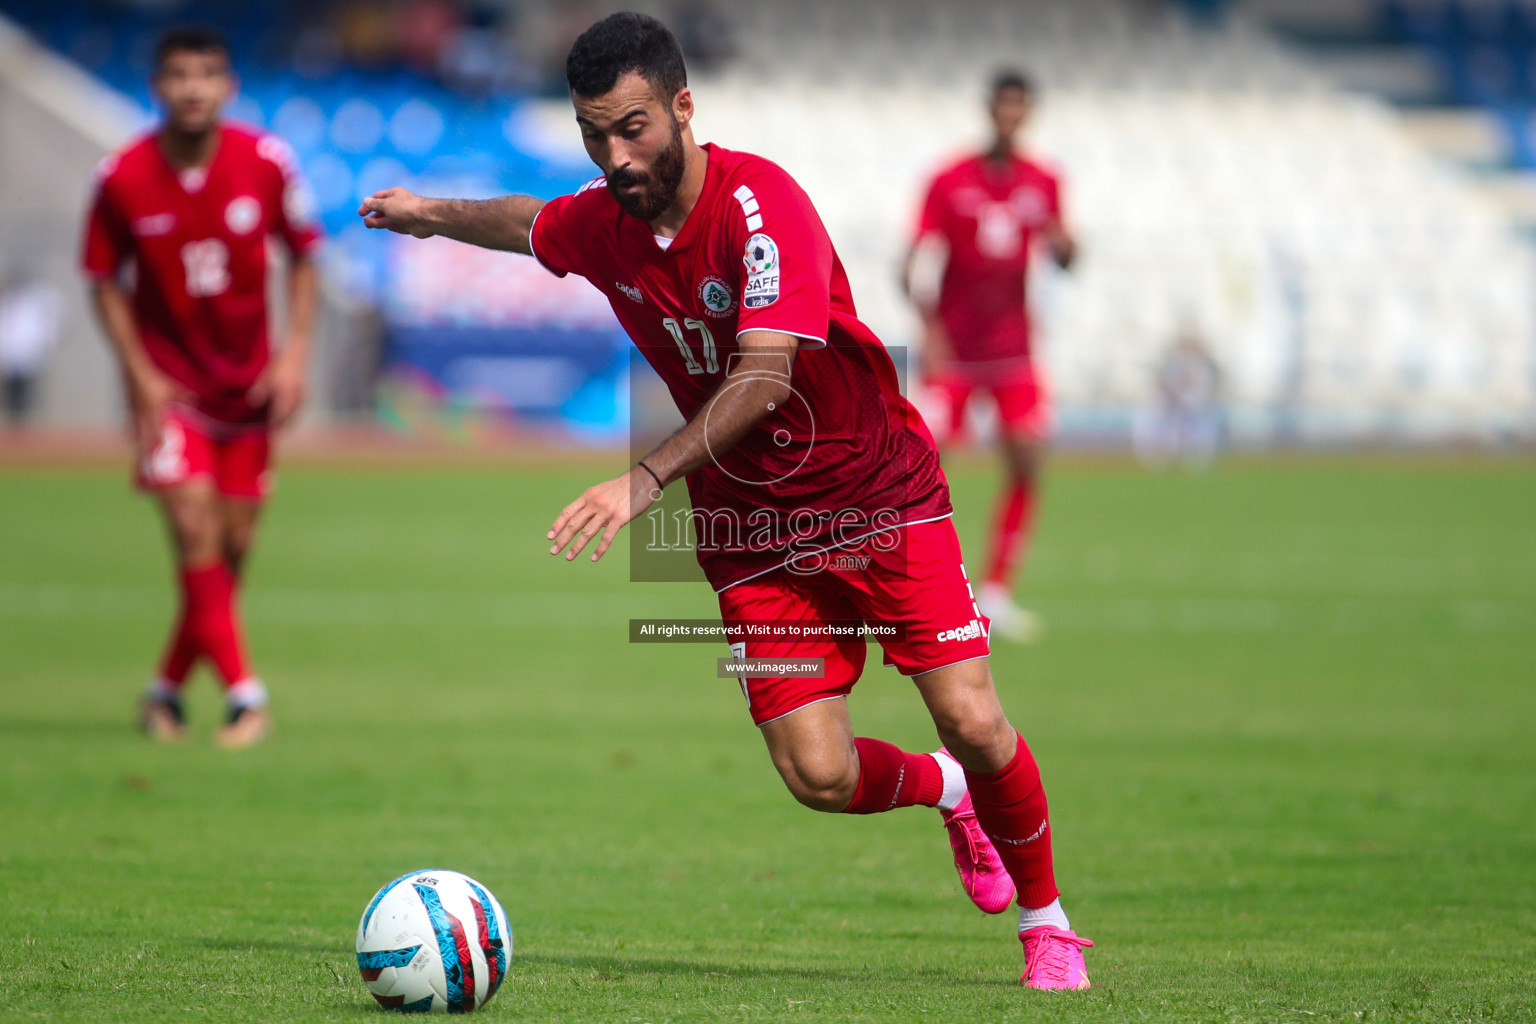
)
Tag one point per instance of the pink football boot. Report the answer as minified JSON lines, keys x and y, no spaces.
{"x":1053,"y":958}
{"x":982,"y":874}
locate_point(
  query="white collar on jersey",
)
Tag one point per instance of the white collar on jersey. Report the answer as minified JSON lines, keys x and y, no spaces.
{"x":193,"y":178}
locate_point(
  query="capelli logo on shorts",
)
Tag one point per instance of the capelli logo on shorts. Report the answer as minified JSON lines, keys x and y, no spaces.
{"x":970,"y":631}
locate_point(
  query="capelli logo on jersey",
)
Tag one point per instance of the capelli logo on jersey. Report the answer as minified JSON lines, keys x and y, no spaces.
{"x":966,"y":201}
{"x":970,"y":631}
{"x":630,"y":291}
{"x":155,"y":225}
{"x":1029,"y":204}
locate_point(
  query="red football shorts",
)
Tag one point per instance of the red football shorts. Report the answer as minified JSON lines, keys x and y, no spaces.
{"x":1023,"y":404}
{"x":235,"y":456}
{"x":909,"y":579}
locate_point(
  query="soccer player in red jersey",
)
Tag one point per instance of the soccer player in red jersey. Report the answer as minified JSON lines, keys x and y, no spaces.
{"x":989,"y":212}
{"x":815,"y":485}
{"x":190,"y":206}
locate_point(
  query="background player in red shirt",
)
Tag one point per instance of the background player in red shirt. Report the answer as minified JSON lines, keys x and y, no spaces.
{"x":989,"y":211}
{"x":722,"y":273}
{"x":190,"y":206}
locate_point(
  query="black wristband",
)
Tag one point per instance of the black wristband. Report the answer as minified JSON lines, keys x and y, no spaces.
{"x":648,"y":469}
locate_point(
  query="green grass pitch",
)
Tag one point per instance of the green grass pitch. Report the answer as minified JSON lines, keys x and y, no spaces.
{"x":1286,"y":714}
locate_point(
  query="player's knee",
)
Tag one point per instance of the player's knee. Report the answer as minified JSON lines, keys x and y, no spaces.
{"x":822,"y":787}
{"x":236,"y":544}
{"x":196,"y":537}
{"x":1023,"y":462}
{"x":981,"y":741}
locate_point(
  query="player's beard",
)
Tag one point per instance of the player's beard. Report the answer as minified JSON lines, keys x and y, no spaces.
{"x":660,"y":185}
{"x":193,"y":134}
{"x":193,"y":131}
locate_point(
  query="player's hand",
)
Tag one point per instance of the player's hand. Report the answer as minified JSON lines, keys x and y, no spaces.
{"x":602,"y":512}
{"x":1060,"y":243}
{"x":397,"y":210}
{"x":150,"y":395}
{"x":282,"y":387}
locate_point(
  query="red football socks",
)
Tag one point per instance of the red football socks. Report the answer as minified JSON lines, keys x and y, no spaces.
{"x":889,"y":777}
{"x":208,"y":626}
{"x":1010,"y":807}
{"x":181,"y":650}
{"x":1010,"y":530}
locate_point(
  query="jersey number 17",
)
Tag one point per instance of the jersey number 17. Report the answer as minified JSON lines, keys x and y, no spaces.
{"x":711,"y":361}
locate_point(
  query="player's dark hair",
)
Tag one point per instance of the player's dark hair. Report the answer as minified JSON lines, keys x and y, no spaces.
{"x":1012,"y":78}
{"x":622,"y":43}
{"x":189,"y":39}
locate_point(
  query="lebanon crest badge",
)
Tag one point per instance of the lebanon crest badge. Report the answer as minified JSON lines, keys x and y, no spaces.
{"x":243,"y":214}
{"x":715,"y":295}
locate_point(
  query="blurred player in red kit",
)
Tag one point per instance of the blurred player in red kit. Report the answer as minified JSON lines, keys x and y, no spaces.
{"x":989,"y":212}
{"x":723,"y":275}
{"x":190,"y":207}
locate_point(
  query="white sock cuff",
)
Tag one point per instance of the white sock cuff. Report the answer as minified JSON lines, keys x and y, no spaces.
{"x":996,"y":593}
{"x":954,"y":780}
{"x":247,"y":693}
{"x":1034,"y":917}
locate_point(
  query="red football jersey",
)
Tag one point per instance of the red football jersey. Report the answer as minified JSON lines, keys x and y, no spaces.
{"x":846,"y":455}
{"x":198,"y":243}
{"x":988,"y":213}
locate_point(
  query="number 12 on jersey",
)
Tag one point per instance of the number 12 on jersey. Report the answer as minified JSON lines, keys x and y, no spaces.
{"x":711,"y":361}
{"x":207,"y":267}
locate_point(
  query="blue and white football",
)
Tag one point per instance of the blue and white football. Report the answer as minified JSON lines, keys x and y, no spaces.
{"x":433,"y":942}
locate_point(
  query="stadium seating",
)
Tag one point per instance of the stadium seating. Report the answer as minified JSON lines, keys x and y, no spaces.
{"x":355,"y":129}
{"x":1349,"y":286}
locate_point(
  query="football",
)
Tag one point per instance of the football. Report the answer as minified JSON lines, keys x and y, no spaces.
{"x":433,"y":941}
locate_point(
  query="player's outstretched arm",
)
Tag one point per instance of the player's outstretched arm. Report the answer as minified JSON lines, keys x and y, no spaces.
{"x":757,"y":382}
{"x":502,"y":223}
